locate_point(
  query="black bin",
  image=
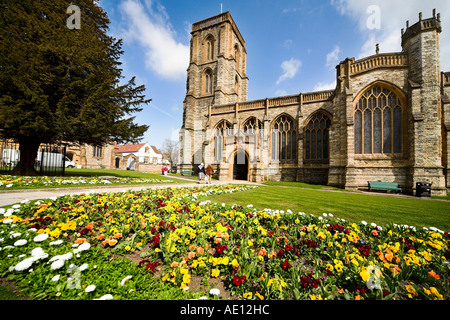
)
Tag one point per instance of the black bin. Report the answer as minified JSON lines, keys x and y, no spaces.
{"x":423,"y":189}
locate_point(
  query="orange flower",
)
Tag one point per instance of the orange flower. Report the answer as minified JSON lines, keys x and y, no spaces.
{"x":341,"y":291}
{"x":174,"y":264}
{"x":118,"y":236}
{"x":106,"y":242}
{"x":99,"y":237}
{"x":434,"y":275}
{"x":389,"y":256}
{"x":262,"y":252}
{"x":112,"y":242}
{"x":375,"y":232}
{"x":200,"y":250}
{"x":90,"y":226}
{"x":80,"y":240}
{"x":191,"y":255}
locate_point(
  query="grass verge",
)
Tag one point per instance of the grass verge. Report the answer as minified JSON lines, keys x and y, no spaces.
{"x":346,"y":205}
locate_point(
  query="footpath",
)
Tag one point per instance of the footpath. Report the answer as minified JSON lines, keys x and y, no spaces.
{"x":9,"y":197}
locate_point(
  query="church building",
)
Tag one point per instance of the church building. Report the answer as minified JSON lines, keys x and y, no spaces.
{"x":388,"y":119}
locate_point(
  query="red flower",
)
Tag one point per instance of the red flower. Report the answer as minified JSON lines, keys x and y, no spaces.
{"x":219,"y":249}
{"x":280,"y":253}
{"x":285,"y":265}
{"x":239,"y":280}
{"x":288,"y":247}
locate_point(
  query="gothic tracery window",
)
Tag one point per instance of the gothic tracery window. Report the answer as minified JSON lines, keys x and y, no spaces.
{"x":222,"y":130}
{"x":317,"y":137}
{"x":210,"y":48}
{"x":284,"y":139}
{"x":378,"y":122}
{"x":208,"y":80}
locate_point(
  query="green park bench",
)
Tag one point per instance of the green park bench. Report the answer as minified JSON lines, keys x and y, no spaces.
{"x":187,"y":172}
{"x":380,"y":185}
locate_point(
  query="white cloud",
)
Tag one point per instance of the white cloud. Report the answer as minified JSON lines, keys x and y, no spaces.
{"x":152,"y":30}
{"x":290,"y":69}
{"x":392,"y":18}
{"x":333,"y":57}
{"x":320,"y":86}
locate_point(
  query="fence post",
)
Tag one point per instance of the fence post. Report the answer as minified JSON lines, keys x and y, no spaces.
{"x":64,"y":159}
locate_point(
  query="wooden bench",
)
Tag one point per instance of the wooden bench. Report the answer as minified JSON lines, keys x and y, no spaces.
{"x":380,"y":185}
{"x":187,"y":172}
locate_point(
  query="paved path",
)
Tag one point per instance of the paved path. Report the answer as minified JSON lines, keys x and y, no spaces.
{"x":15,"y":196}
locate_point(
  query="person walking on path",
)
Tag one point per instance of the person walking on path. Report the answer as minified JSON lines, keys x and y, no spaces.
{"x":209,"y":172}
{"x":201,"y":172}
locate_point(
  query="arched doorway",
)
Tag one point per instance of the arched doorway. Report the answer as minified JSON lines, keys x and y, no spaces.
{"x":240,"y":166}
{"x":117,"y":164}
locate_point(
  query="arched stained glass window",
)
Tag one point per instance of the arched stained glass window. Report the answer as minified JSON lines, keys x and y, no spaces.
{"x":284,"y":139}
{"x":317,"y":137}
{"x":378,"y":122}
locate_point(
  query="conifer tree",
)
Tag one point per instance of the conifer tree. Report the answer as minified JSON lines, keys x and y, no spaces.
{"x":60,"y":81}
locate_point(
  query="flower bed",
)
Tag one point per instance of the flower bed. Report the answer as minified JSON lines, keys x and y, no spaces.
{"x":7,"y":181}
{"x":255,"y":254}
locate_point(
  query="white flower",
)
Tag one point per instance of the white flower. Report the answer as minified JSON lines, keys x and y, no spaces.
{"x":84,"y":267}
{"x":325,"y":215}
{"x":57,"y":264}
{"x":105,"y":297}
{"x":90,"y":288}
{"x":63,"y":257}
{"x":7,"y":221}
{"x":32,"y":229}
{"x":15,"y":235}
{"x":24,"y":264}
{"x":373,"y":224}
{"x":16,"y":206}
{"x":41,"y":237}
{"x":214,"y":292}
{"x":20,"y":242}
{"x":9,"y":185}
{"x":83,"y":247}
{"x":37,"y":252}
{"x":330,"y":215}
{"x":56,"y":243}
{"x":55,"y":278}
{"x":122,"y":283}
{"x":203,"y":298}
{"x":363,"y":222}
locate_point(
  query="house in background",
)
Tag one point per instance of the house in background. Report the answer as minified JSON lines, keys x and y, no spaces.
{"x":141,"y":156}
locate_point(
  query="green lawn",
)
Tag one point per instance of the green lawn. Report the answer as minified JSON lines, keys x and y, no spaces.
{"x":346,"y":205}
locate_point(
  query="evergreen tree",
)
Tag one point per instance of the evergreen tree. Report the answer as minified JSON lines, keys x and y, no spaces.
{"x":62,"y":84}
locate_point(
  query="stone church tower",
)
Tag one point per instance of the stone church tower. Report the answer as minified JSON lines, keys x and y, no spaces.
{"x":388,"y":119}
{"x":216,"y":75}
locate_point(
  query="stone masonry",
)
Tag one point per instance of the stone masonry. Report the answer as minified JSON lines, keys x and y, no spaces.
{"x":389,"y":116}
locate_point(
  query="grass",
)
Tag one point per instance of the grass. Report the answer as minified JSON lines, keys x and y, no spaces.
{"x":301,"y":185}
{"x":346,"y":205}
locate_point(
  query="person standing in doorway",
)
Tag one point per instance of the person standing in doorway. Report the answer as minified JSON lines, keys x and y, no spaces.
{"x":209,"y":172}
{"x":201,"y":172}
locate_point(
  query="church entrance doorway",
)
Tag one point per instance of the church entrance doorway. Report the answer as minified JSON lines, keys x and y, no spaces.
{"x":240,"y":166}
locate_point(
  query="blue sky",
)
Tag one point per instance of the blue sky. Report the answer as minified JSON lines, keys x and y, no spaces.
{"x":292,"y":46}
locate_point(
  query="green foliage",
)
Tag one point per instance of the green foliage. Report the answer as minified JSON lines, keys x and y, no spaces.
{"x":58,"y":84}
